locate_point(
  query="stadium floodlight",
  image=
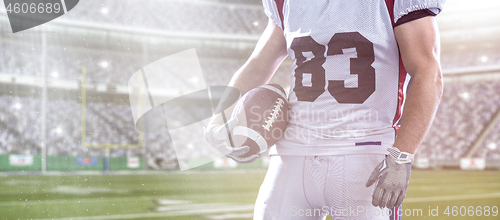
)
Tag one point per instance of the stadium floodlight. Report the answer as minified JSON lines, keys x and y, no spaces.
{"x":194,"y":79}
{"x":104,"y":64}
{"x":465,"y":95}
{"x":59,"y":130}
{"x":17,"y":106}
{"x":484,"y":59}
{"x":55,"y":74}
{"x":492,"y":146}
{"x":104,"y":10}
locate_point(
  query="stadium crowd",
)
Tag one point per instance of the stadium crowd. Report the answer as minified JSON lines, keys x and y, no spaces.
{"x":466,"y":109}
{"x":174,"y":15}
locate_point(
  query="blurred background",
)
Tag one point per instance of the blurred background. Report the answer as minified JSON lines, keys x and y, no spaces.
{"x":65,"y":112}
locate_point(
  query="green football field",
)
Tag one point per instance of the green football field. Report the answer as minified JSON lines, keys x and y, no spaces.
{"x":219,"y":195}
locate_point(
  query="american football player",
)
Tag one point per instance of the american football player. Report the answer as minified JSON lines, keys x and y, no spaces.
{"x":348,"y":147}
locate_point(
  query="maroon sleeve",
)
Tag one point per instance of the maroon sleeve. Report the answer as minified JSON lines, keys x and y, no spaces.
{"x":414,"y":16}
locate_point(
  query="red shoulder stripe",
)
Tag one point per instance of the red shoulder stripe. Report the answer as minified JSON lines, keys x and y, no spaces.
{"x":390,"y":8}
{"x":279,"y":5}
{"x":402,"y":72}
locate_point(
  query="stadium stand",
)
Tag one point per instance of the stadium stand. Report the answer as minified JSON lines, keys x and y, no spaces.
{"x":466,"y":107}
{"x":463,"y":113}
{"x":470,"y":58}
{"x":178,"y":16}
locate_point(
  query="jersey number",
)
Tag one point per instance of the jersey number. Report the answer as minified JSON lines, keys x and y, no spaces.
{"x":360,"y":66}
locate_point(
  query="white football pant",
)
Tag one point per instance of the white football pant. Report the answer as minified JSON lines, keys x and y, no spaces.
{"x":311,"y":187}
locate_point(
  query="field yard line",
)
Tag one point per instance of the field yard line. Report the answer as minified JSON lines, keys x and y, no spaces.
{"x":170,"y":202}
{"x":230,"y":216}
{"x":452,"y":198}
{"x":233,"y":208}
{"x":189,"y":206}
{"x":131,"y":172}
{"x":447,"y":186}
{"x":66,"y":201}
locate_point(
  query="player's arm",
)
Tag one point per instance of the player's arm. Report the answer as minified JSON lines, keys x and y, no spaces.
{"x":418,"y":42}
{"x":267,"y":56}
{"x":419,"y":45}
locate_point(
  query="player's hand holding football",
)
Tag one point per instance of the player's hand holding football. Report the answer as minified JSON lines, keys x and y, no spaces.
{"x":391,"y":176}
{"x":219,"y":137}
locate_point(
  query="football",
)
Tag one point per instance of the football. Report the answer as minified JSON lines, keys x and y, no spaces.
{"x":262,"y":118}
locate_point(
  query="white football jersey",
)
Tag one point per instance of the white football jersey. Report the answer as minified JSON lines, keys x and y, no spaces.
{"x":348,"y":81}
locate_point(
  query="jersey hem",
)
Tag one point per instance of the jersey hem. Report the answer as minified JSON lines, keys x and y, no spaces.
{"x":280,"y":150}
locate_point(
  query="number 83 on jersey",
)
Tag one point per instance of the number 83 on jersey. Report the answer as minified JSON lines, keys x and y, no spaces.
{"x":361,"y":66}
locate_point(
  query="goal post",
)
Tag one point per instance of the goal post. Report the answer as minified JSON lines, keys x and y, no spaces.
{"x":106,"y":146}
